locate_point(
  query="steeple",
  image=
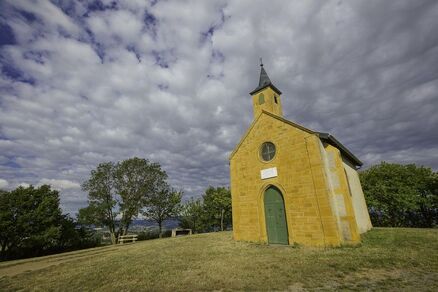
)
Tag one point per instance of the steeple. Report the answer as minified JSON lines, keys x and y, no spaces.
{"x":266,"y":97}
{"x":264,"y":78}
{"x":264,"y":81}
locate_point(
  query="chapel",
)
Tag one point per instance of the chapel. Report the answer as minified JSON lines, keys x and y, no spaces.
{"x":291,"y":184}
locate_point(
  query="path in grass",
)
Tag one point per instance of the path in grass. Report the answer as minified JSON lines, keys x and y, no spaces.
{"x":388,"y":259}
{"x":13,"y":268}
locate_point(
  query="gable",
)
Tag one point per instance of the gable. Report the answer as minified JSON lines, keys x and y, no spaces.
{"x":268,"y":115}
{"x":324,"y":137}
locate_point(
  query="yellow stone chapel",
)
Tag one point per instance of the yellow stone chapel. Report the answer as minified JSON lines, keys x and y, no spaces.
{"x":290,"y":184}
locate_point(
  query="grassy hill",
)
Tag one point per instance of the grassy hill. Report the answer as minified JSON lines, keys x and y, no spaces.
{"x":389,"y":259}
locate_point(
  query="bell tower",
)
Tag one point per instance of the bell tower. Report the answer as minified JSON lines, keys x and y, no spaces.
{"x":266,"y":96}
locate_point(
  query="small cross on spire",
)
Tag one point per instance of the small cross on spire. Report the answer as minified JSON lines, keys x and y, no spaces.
{"x":261,"y":62}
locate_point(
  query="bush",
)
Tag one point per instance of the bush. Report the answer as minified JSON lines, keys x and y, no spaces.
{"x":148,"y":234}
{"x":401,"y":195}
{"x":153,"y":233}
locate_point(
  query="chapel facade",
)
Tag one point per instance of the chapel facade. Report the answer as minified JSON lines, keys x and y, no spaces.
{"x":291,"y":184}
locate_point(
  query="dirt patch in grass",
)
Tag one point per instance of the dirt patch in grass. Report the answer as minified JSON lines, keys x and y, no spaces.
{"x":39,"y":265}
{"x":296,"y":287}
{"x":13,"y":268}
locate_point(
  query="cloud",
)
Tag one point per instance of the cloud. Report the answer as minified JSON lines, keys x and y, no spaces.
{"x":88,"y":82}
{"x":3,"y":183}
{"x":115,"y":27}
{"x":60,"y":184}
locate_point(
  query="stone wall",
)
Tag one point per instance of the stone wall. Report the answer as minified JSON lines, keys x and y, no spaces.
{"x":359,"y":204}
{"x":301,"y":179}
{"x":341,"y":195}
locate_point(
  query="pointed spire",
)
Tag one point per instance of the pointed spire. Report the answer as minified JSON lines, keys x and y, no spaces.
{"x":264,"y":80}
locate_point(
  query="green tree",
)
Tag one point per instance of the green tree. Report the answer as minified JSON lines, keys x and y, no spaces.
{"x":101,"y":199}
{"x":163,"y":204}
{"x":30,"y":220}
{"x":136,"y":181}
{"x":401,"y":195}
{"x":76,"y":237}
{"x":8,"y":226}
{"x":217,"y":206}
{"x":192,"y":215}
{"x":123,"y":188}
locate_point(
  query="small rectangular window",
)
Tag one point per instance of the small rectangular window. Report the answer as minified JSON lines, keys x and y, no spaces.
{"x":261,"y":98}
{"x":275,"y":99}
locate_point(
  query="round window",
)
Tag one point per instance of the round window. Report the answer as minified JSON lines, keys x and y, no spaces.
{"x":267,"y":151}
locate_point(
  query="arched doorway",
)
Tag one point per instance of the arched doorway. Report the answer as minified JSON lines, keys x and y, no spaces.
{"x":275,"y":216}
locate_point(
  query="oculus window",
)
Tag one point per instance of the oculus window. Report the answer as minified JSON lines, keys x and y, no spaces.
{"x":267,"y":152}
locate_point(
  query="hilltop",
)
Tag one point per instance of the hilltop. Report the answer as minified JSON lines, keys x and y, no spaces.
{"x":388,"y":258}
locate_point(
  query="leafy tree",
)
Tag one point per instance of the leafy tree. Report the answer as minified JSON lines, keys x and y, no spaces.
{"x":101,"y":199}
{"x":136,"y":181}
{"x":163,"y":204}
{"x":31,"y":224}
{"x":217,"y":206}
{"x":192,"y":216}
{"x":401,"y":195}
{"x":123,"y":188}
{"x":8,"y":232}
{"x":30,"y":220}
{"x":75,"y":237}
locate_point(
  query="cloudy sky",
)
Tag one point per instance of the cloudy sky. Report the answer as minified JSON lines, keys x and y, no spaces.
{"x":83,"y":82}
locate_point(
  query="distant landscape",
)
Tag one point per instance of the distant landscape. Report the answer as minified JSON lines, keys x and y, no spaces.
{"x":141,"y":224}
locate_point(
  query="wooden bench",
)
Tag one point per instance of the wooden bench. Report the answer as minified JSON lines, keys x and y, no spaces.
{"x":180,"y":232}
{"x":128,"y":238}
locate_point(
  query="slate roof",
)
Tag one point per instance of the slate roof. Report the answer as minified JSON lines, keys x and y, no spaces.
{"x":330,"y":139}
{"x":264,"y":82}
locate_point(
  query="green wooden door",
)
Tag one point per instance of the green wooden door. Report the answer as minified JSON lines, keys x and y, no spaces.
{"x":276,"y":226}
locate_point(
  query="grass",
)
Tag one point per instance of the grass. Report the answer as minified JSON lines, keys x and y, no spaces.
{"x":388,"y":259}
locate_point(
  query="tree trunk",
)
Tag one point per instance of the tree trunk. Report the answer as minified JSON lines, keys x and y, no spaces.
{"x":222,"y":219}
{"x":3,"y":251}
{"x":125,"y":232}
{"x":114,"y":235}
{"x":113,"y":238}
{"x":159,"y":229}
{"x":194,"y":225}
